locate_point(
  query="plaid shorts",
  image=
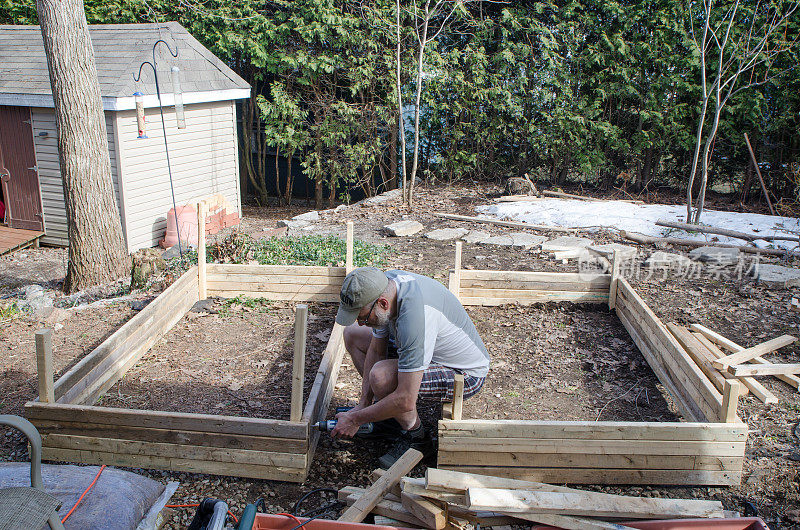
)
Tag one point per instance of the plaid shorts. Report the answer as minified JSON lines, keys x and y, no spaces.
{"x":437,"y":383}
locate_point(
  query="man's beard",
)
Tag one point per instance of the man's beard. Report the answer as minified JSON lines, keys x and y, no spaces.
{"x":381,"y":318}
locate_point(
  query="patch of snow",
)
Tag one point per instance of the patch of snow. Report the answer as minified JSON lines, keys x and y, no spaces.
{"x":641,"y":218}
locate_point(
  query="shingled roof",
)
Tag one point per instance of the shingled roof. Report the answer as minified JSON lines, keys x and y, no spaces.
{"x":119,"y":50}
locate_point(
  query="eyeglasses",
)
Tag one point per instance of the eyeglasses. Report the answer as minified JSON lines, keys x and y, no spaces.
{"x":363,"y":321}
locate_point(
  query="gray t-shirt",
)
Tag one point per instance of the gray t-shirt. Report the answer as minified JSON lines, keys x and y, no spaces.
{"x":432,"y":327}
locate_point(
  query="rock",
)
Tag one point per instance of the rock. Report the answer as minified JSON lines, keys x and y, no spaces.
{"x":777,"y":277}
{"x":503,"y":241}
{"x":520,"y":186}
{"x":667,"y":260}
{"x":138,"y":305}
{"x":525,"y":240}
{"x":174,"y":252}
{"x":33,"y":291}
{"x":715,"y":255}
{"x":40,"y":308}
{"x":445,"y":234}
{"x":293,"y":224}
{"x":205,"y":306}
{"x":565,"y":243}
{"x":403,"y":228}
{"x":382,"y":198}
{"x":311,"y":216}
{"x":475,"y":236}
{"x":607,"y":250}
{"x":145,"y":263}
{"x":340,"y":208}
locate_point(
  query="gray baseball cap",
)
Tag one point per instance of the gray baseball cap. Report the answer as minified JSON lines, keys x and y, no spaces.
{"x":361,"y":287}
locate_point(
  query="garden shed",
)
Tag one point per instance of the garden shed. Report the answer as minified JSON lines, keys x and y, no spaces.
{"x":203,"y":156}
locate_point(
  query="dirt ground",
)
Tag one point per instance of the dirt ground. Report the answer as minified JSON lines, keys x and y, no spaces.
{"x":549,"y":361}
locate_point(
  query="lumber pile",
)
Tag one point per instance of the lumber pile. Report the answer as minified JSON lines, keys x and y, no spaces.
{"x":451,"y":499}
{"x":723,"y":360}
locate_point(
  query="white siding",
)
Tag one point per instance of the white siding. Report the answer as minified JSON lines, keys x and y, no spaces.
{"x":203,"y":157}
{"x":50,"y":182}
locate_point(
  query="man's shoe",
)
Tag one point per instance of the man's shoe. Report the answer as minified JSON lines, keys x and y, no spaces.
{"x":417,"y":439}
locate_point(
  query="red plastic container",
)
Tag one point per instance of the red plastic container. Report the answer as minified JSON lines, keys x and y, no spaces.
{"x":187,"y":222}
{"x":739,"y":523}
{"x":266,"y":521}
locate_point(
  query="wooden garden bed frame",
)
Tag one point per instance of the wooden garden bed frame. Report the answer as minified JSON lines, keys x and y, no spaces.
{"x":707,"y":449}
{"x":74,"y":430}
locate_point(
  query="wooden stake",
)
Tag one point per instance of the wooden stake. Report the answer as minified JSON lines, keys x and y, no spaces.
{"x":201,"y":251}
{"x":375,"y":493}
{"x":455,"y":279}
{"x":758,"y":172}
{"x":612,"y":289}
{"x":458,"y":396}
{"x":299,"y":362}
{"x":348,"y":261}
{"x":730,"y":401}
{"x":44,"y":364}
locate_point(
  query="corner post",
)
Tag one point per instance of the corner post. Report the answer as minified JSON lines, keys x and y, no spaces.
{"x":730,"y":400}
{"x":612,"y":289}
{"x":348,"y":263}
{"x":458,"y":396}
{"x":299,"y":362}
{"x":455,"y":277}
{"x":201,"y":251}
{"x":44,"y":364}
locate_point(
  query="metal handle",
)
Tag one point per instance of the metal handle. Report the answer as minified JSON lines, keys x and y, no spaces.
{"x":35,"y":440}
{"x":5,"y":174}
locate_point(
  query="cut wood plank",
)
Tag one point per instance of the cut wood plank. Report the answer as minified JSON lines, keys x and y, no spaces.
{"x":458,"y":396}
{"x":590,"y":504}
{"x":297,"y":270}
{"x":716,"y":338}
{"x":220,"y":279}
{"x":44,"y":364}
{"x":601,"y":281}
{"x":480,"y":297}
{"x":754,"y":351}
{"x":460,"y":482}
{"x":590,"y":430}
{"x":455,"y":277}
{"x":740,"y":370}
{"x":579,"y":460}
{"x":518,"y":198}
{"x":166,"y":420}
{"x":348,"y":260}
{"x":598,"y":285}
{"x":395,"y":490}
{"x":562,"y":475}
{"x":375,"y":492}
{"x":429,"y":513}
{"x":201,"y":251}
{"x":564,"y":195}
{"x":498,"y":222}
{"x":570,"y":523}
{"x":292,"y":296}
{"x":730,"y":401}
{"x":386,"y":507}
{"x":751,"y":384}
{"x":298,"y":362}
{"x":697,"y":353}
{"x":269,"y":287}
{"x":591,"y":447}
{"x":416,"y":486}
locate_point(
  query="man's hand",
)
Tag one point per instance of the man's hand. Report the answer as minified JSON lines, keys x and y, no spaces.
{"x":346,"y":426}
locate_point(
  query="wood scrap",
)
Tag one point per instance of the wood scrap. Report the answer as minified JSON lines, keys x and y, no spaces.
{"x":511,"y":224}
{"x":757,"y":389}
{"x":588,"y":503}
{"x":518,"y":198}
{"x":373,"y":495}
{"x":564,"y":195}
{"x":754,"y":351}
{"x":426,"y":511}
{"x":764,"y":369}
{"x":389,"y":506}
{"x":728,"y":344}
{"x":697,"y":352}
{"x":650,"y":240}
{"x":688,"y":227}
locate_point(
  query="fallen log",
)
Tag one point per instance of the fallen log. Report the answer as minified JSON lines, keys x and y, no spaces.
{"x":722,"y":231}
{"x":641,"y":238}
{"x":512,"y":224}
{"x":564,"y":195}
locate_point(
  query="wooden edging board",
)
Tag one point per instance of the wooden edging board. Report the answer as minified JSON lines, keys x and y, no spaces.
{"x":702,"y":451}
{"x":74,"y":430}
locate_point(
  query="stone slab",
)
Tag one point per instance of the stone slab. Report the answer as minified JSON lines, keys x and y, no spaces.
{"x":666,"y":260}
{"x":382,"y":198}
{"x":566,"y":243}
{"x":446,"y":234}
{"x":475,"y":236}
{"x":293,"y":224}
{"x":525,"y":240}
{"x":407,"y":227}
{"x":607,"y":250}
{"x":503,"y":241}
{"x":715,"y":255}
{"x":311,"y":216}
{"x":778,"y":277}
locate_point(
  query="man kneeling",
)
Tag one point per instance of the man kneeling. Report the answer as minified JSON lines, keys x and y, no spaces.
{"x":420,"y":337}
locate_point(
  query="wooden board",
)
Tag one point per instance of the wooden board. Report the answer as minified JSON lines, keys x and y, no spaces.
{"x":15,"y":238}
{"x":674,"y":367}
{"x":495,"y":297}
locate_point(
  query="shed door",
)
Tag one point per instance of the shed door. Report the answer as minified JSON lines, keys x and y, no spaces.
{"x":18,"y":170}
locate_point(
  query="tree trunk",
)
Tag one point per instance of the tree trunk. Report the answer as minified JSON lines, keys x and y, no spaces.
{"x":422,"y":43}
{"x":277,"y":173}
{"x":97,"y":252}
{"x":393,"y":154}
{"x":318,"y":174}
{"x":400,"y":122}
{"x":289,"y":179}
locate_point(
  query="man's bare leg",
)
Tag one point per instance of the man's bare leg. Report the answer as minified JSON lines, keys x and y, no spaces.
{"x":383,"y":381}
{"x":356,"y":341}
